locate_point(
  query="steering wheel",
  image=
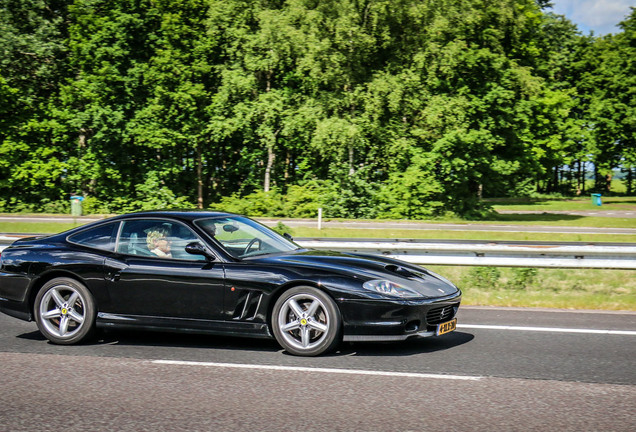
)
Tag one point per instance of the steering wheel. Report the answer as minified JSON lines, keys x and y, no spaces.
{"x":250,"y":244}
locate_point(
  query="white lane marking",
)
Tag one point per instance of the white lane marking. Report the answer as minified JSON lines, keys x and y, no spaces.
{"x":319,"y":370}
{"x":548,"y":329}
{"x":551,"y":310}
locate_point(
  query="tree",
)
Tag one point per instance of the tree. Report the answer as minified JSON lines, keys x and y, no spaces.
{"x":612,"y":86}
{"x":34,"y":61}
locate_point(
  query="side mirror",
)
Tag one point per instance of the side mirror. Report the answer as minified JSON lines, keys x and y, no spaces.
{"x":288,"y":237}
{"x":196,"y":248}
{"x":230,"y":228}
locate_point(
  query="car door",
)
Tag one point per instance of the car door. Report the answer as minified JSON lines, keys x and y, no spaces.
{"x":145,"y":279}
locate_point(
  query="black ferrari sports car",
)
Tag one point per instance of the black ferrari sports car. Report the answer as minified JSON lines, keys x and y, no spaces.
{"x":218,"y":273}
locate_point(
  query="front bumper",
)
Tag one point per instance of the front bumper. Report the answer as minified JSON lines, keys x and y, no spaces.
{"x":395,"y":320}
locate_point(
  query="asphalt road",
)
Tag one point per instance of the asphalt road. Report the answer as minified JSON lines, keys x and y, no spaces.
{"x":503,"y":369}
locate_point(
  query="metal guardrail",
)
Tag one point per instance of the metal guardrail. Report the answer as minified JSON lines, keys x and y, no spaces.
{"x":500,"y":254}
{"x":480,"y":253}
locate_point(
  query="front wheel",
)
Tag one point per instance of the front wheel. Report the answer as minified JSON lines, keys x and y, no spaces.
{"x":65,"y":311}
{"x":306,"y":321}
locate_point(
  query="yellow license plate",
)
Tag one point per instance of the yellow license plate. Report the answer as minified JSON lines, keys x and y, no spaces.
{"x":446,"y":327}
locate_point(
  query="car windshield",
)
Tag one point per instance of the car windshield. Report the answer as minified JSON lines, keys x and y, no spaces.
{"x":242,"y":237}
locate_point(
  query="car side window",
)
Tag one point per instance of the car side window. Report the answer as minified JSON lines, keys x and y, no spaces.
{"x":100,"y":237}
{"x":157,"y":238}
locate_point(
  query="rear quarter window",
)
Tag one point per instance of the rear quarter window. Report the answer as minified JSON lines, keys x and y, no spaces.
{"x":100,"y":237}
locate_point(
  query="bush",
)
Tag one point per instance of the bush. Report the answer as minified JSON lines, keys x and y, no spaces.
{"x":350,"y":196}
{"x":152,"y":194}
{"x":413,"y":194}
{"x":59,"y":206}
{"x":282,"y":229}
{"x":256,"y":204}
{"x":303,"y":201}
{"x":482,"y":277}
{"x":13,"y":205}
{"x":92,"y":205}
{"x":522,"y":278}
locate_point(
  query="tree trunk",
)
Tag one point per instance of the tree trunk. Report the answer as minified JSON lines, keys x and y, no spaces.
{"x":199,"y":177}
{"x":583,"y":178}
{"x":578,"y":178}
{"x":87,"y":189}
{"x":271,"y":156}
{"x":81,"y":141}
{"x":351,"y":169}
{"x":287,"y":164}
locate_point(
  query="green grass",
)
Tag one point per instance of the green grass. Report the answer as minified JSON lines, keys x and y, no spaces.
{"x":548,"y":219}
{"x":300,"y":232}
{"x":549,"y":288}
{"x":44,"y":227}
{"x":552,"y":219}
{"x":306,"y":232}
{"x":565,"y":204}
{"x":36,"y":227}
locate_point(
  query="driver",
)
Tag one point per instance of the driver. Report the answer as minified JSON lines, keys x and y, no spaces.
{"x":158,"y":243}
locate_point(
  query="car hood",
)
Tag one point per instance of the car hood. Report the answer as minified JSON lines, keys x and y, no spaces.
{"x":367,"y":267}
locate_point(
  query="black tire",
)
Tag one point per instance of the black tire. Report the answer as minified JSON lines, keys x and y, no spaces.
{"x":306,"y":321}
{"x":65,"y":311}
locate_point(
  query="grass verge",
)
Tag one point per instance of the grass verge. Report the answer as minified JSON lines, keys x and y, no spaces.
{"x":563,"y":204}
{"x":36,"y":227}
{"x":300,"y":232}
{"x":549,"y":288}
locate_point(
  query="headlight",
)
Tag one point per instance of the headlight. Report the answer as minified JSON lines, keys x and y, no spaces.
{"x":389,"y":288}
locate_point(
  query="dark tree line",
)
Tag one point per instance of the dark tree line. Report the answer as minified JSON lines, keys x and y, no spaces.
{"x":368,"y":108}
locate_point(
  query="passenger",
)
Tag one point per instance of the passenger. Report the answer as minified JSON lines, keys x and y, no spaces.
{"x":158,"y":244}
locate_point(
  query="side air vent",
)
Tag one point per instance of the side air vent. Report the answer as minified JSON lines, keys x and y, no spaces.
{"x":247,"y":305}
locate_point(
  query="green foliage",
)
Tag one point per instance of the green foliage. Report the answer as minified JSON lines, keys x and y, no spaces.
{"x":412,"y":194}
{"x":281,"y":228}
{"x":61,"y":206}
{"x":256,"y":204}
{"x":401,"y":109}
{"x":153,"y":194}
{"x":303,"y":201}
{"x":92,"y":205}
{"x":522,"y":278}
{"x":350,"y":196}
{"x":482,"y":277}
{"x":490,"y":278}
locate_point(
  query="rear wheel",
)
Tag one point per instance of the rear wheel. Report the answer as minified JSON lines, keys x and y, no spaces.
{"x":306,"y":321}
{"x":65,"y":311}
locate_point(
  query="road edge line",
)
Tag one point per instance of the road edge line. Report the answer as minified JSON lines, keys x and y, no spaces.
{"x":317,"y":370}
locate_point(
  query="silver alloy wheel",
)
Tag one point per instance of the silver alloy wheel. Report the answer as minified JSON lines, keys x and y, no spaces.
{"x":62,"y":311}
{"x":303,"y":321}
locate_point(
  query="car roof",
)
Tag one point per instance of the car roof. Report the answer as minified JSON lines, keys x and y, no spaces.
{"x":187,"y":215}
{"x":180,"y":215}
